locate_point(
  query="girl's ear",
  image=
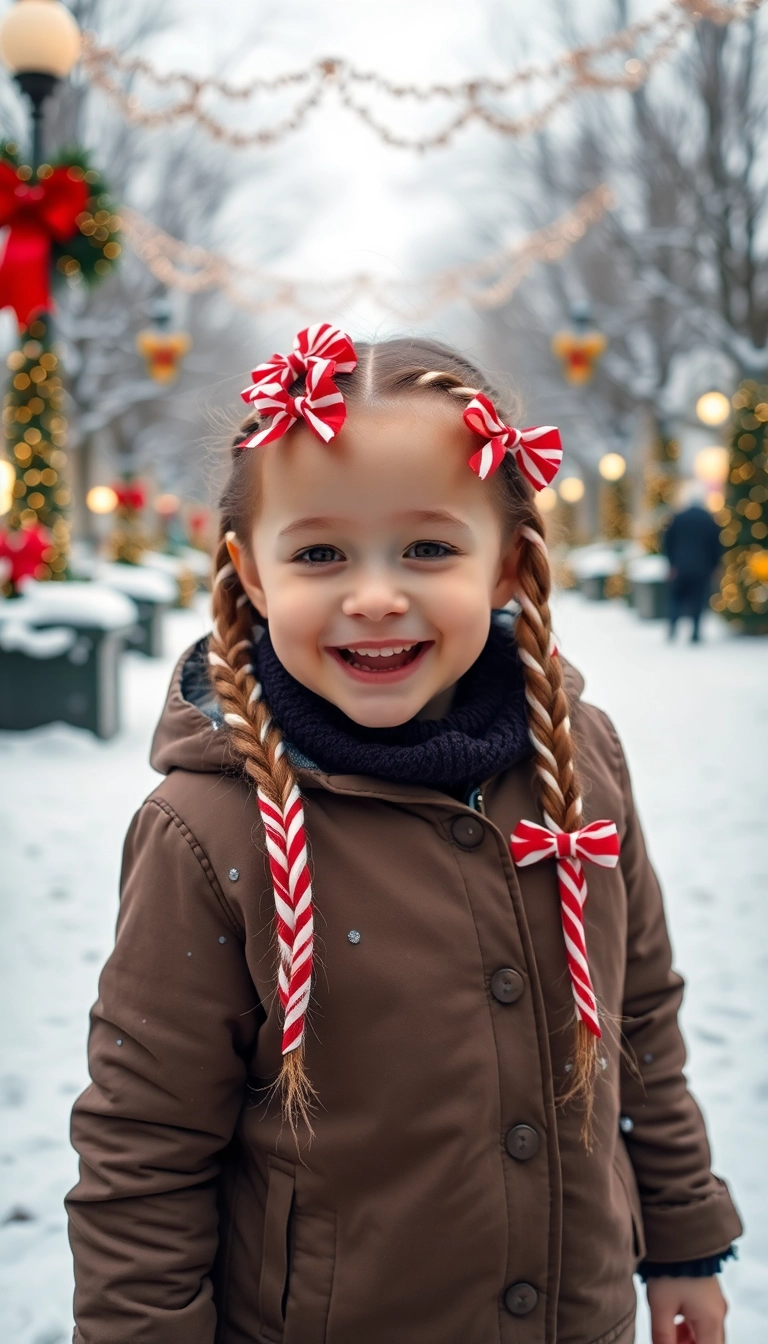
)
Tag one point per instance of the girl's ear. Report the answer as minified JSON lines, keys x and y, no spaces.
{"x":506,"y":578}
{"x":247,"y":573}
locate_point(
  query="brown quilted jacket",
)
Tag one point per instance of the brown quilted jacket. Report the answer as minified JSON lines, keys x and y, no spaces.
{"x":444,"y":1198}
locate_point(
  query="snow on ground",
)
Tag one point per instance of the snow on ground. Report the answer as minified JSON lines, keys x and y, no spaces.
{"x":694,"y":720}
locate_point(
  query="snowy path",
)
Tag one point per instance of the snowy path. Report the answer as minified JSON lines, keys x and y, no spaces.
{"x":695,"y":724}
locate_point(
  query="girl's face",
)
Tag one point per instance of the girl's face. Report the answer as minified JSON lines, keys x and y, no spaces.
{"x":378,"y":558}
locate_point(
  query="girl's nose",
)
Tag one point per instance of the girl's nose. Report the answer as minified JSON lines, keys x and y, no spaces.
{"x":375,"y":598}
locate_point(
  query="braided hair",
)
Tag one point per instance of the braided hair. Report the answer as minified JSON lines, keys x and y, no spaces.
{"x":387,"y":370}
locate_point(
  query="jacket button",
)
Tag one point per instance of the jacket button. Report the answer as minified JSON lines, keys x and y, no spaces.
{"x":522,"y":1142}
{"x":467,"y":832}
{"x":520,"y":1299}
{"x":507,"y":985}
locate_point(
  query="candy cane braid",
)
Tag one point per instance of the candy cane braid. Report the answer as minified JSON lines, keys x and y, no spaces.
{"x":550,"y":733}
{"x":256,"y":740}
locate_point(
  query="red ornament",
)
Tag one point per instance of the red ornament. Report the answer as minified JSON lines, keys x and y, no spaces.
{"x":26,"y":548}
{"x":580,"y":352}
{"x":130,"y":495}
{"x":39,"y":214}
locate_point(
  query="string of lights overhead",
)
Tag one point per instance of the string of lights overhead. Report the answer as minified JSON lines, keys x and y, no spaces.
{"x":487,"y":283}
{"x":622,"y":60}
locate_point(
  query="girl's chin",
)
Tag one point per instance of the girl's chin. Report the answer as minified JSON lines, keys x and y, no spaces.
{"x":388,"y":709}
{"x":393,"y":719}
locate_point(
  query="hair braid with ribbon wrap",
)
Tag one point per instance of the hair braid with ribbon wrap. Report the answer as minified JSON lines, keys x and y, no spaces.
{"x":324,"y":368}
{"x":257,"y":742}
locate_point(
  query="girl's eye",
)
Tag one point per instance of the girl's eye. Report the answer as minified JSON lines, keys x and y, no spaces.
{"x":318,"y":555}
{"x":429,"y":550}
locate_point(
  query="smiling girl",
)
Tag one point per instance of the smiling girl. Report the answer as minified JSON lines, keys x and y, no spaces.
{"x":368,"y":1067}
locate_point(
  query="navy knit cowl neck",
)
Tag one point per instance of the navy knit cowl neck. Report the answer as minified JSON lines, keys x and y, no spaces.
{"x":485,"y":731}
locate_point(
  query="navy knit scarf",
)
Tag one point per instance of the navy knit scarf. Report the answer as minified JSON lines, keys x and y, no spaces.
{"x":485,"y":731}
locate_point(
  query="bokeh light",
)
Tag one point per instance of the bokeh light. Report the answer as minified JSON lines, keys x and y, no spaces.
{"x":711,"y":465}
{"x":571,"y":489}
{"x":101,"y":499}
{"x":713,"y":408}
{"x":7,"y":478}
{"x":612,"y":467}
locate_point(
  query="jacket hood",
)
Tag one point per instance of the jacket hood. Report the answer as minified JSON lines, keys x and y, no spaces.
{"x":190,"y":736}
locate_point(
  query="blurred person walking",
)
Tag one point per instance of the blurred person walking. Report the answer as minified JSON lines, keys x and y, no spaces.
{"x":692,"y":546}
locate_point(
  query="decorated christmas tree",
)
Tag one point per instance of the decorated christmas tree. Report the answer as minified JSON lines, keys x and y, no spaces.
{"x":35,"y":432}
{"x":129,"y":539}
{"x":661,"y":476}
{"x":61,"y":227}
{"x":743,"y":597}
{"x":615,"y":510}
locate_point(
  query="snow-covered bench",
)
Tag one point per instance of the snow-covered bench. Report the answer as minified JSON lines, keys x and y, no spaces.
{"x":60,"y":646}
{"x":153,"y":591}
{"x":648,"y":575}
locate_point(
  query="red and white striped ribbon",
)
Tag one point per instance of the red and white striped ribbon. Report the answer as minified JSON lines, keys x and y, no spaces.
{"x":321,"y":406}
{"x":289,"y":865}
{"x":538,"y":450}
{"x":322,"y":341}
{"x":596,"y":843}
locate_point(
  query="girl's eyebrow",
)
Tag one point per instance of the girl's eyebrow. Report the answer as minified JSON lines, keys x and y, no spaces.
{"x":301,"y":524}
{"x":438,"y":516}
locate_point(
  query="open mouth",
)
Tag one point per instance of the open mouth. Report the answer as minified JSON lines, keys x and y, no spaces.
{"x":378,"y":662}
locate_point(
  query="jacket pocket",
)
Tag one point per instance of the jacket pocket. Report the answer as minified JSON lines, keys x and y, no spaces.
{"x":273,"y":1281}
{"x":310,"y":1275}
{"x":626,"y":1174}
{"x":297,"y":1265}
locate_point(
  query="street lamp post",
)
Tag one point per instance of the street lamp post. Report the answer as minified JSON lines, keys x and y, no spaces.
{"x":39,"y":44}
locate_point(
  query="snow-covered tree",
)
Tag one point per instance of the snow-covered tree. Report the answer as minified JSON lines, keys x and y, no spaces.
{"x":677,"y":274}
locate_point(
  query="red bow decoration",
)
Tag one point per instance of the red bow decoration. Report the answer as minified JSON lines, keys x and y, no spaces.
{"x":538,"y":451}
{"x":321,"y":406}
{"x":25,"y":548}
{"x":322,"y":341}
{"x":39,"y":214}
{"x":130,"y":495}
{"x":596,"y":843}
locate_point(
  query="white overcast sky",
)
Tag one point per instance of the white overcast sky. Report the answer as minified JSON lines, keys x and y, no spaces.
{"x":379,"y":209}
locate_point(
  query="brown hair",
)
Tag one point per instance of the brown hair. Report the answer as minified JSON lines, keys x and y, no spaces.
{"x":390,"y":369}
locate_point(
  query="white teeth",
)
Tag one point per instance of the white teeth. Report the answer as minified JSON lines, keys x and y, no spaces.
{"x":382,"y":653}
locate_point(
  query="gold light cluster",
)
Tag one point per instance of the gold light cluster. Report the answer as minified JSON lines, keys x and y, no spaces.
{"x":602,"y":65}
{"x":37,"y":454}
{"x":744,"y":589}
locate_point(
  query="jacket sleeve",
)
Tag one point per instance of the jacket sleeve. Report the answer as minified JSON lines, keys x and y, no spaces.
{"x":688,"y":1213}
{"x":171,"y":1031}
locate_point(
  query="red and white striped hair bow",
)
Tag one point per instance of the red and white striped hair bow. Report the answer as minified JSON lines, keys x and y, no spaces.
{"x":538,"y":451}
{"x":321,"y":405}
{"x":597,"y":843}
{"x":322,"y":341}
{"x":289,"y":865}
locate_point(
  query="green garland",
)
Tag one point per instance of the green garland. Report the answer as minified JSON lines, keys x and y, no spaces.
{"x":93,"y":251}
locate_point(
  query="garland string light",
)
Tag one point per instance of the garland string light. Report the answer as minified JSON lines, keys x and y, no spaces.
{"x":602,"y":66}
{"x":487,"y":283}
